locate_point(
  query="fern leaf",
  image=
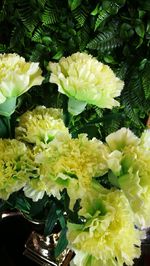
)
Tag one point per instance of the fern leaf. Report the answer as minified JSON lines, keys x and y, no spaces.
{"x":17,"y":36}
{"x":37,"y":36}
{"x":105,"y":41}
{"x":41,"y":3}
{"x":73,"y":4}
{"x":103,"y":15}
{"x":121,"y":71}
{"x":146,"y":81}
{"x":137,"y":94}
{"x":80,"y":14}
{"x":26,"y":15}
{"x":129,"y":110}
{"x":111,"y":123}
{"x":35,"y":56}
{"x":50,"y":15}
{"x":84,"y":36}
{"x":132,"y":97}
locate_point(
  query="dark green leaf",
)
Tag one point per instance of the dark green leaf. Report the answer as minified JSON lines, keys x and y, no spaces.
{"x":140,"y":30}
{"x":51,"y":219}
{"x":74,"y":3}
{"x":38,"y":207}
{"x":62,"y":242}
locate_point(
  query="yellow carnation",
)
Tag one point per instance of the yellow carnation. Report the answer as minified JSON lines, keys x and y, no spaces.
{"x":82,"y":77}
{"x":17,"y":76}
{"x":145,"y":139}
{"x":108,"y":236}
{"x":135,"y":182}
{"x":78,"y":157}
{"x":70,"y":163}
{"x":40,"y":125}
{"x":121,"y":138}
{"x":129,"y":161}
{"x":13,"y":162}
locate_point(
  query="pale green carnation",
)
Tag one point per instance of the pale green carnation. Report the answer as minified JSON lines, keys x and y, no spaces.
{"x":121,"y":138}
{"x":145,"y":139}
{"x":69,"y":163}
{"x":13,"y":166}
{"x":40,"y":125}
{"x":135,"y":182}
{"x":129,"y":162}
{"x":82,"y":77}
{"x":108,"y":236}
{"x":17,"y":76}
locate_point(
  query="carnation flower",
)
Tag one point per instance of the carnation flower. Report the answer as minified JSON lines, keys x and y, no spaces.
{"x":70,"y":163}
{"x":132,"y":170}
{"x":82,"y":77}
{"x":135,"y":182}
{"x":16,"y":77}
{"x":34,"y":188}
{"x":40,"y":125}
{"x":121,"y":138}
{"x":145,"y":139}
{"x":13,"y":167}
{"x":108,"y":236}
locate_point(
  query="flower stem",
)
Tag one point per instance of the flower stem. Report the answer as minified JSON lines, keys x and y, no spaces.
{"x":7,"y":121}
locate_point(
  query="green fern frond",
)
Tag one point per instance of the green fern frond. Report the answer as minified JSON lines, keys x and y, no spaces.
{"x":133,"y":96}
{"x":135,"y":85}
{"x":39,"y":52}
{"x":129,"y":110}
{"x":111,"y":123}
{"x":35,"y":55}
{"x":50,"y":15}
{"x":105,"y":41}
{"x":103,"y":15}
{"x":84,"y":37}
{"x":17,"y":36}
{"x":80,"y":14}
{"x":146,"y":80}
{"x":41,"y":3}
{"x":121,"y":70}
{"x":27,"y":15}
{"x":37,"y":36}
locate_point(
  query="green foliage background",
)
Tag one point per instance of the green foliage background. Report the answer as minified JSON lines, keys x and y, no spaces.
{"x":116,"y":32}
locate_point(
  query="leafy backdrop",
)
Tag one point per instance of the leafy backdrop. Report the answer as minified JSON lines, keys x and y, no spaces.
{"x":116,"y":32}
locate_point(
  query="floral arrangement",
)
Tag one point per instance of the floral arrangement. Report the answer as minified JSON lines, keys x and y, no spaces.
{"x":97,"y":190}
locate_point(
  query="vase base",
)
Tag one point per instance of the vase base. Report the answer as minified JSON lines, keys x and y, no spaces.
{"x":40,"y":249}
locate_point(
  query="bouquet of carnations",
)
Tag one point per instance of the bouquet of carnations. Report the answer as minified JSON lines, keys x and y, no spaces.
{"x":98,"y":190}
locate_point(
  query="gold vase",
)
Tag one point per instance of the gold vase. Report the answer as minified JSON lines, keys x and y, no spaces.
{"x":37,"y":247}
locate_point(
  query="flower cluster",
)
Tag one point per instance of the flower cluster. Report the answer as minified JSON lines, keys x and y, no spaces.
{"x":107,"y":235}
{"x":109,"y":180}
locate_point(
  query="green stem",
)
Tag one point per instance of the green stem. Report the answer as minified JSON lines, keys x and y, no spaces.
{"x":9,"y":126}
{"x":8,"y":107}
{"x":7,"y":122}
